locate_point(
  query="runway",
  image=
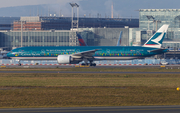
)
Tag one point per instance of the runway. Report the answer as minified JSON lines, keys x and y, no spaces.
{"x":118,"y":72}
{"x":103,"y":72}
{"x":132,"y":109}
{"x":107,"y":66}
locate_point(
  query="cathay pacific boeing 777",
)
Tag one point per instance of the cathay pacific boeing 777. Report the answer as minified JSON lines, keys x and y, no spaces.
{"x":88,"y":54}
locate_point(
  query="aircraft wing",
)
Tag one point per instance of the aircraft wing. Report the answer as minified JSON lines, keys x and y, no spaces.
{"x":85,"y":54}
{"x":157,"y":50}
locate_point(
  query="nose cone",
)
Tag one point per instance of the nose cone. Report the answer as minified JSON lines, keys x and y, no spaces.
{"x":9,"y":54}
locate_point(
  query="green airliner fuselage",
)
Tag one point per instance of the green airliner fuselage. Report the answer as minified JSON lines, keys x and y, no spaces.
{"x":103,"y":53}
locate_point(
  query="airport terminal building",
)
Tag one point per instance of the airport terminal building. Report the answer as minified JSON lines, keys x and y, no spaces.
{"x":47,"y":31}
{"x":56,"y":31}
{"x":6,"y":23}
{"x":92,"y":36}
{"x":64,"y":23}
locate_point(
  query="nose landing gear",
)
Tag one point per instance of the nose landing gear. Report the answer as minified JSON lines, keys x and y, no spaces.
{"x":19,"y":63}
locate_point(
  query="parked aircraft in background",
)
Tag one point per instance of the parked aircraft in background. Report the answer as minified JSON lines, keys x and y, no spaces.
{"x":81,"y":41}
{"x":119,"y":41}
{"x":88,"y":54}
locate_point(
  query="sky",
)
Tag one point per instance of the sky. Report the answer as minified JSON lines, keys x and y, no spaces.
{"x":11,"y":3}
{"x":92,"y":8}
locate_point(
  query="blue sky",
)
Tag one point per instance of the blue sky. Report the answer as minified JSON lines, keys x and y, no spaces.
{"x":122,"y":8}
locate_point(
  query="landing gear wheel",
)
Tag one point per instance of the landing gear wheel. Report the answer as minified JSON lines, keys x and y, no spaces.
{"x":92,"y":64}
{"x":19,"y":64}
{"x":83,"y":64}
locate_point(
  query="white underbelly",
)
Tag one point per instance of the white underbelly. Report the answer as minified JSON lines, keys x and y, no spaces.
{"x":117,"y":58}
{"x":35,"y":58}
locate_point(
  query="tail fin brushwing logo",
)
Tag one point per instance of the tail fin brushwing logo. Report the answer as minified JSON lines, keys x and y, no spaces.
{"x":157,"y":39}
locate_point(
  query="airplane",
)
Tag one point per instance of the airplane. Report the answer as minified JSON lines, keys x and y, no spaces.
{"x":83,"y":43}
{"x":119,"y":41}
{"x":88,"y":54}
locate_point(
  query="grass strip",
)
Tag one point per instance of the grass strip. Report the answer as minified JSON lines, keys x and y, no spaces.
{"x":76,"y":90}
{"x":88,"y":96}
{"x":161,"y":80}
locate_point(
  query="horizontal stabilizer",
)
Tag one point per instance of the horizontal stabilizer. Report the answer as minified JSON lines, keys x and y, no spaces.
{"x":157,"y":50}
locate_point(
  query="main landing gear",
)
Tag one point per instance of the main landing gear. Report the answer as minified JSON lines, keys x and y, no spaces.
{"x":89,"y":64}
{"x":93,"y":64}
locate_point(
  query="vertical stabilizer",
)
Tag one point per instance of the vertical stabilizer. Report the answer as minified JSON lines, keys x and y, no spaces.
{"x":119,"y":41}
{"x":81,"y":41}
{"x":156,"y":40}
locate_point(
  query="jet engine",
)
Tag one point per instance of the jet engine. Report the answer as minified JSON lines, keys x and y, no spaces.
{"x":66,"y":59}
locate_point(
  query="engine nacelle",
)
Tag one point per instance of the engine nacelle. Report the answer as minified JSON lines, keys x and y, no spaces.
{"x":67,"y":59}
{"x":64,"y":59}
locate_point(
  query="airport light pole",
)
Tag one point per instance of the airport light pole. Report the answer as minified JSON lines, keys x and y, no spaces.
{"x":22,"y":32}
{"x":74,"y":24}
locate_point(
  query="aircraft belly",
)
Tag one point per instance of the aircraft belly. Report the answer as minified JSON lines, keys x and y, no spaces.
{"x":117,"y":58}
{"x":35,"y":58}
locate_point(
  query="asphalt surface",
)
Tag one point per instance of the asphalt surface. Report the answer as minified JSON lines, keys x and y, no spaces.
{"x":68,"y":66}
{"x":89,"y":72}
{"x":38,"y":66}
{"x":133,"y":109}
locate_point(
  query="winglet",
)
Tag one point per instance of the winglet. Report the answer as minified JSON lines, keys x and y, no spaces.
{"x":156,"y":40}
{"x":81,"y":41}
